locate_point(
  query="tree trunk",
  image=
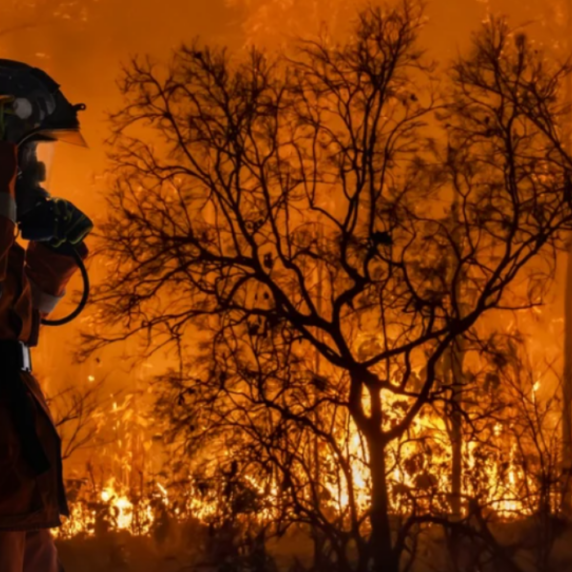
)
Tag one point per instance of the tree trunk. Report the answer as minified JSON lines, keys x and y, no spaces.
{"x":454,"y":375}
{"x":317,"y":535}
{"x":567,"y":382}
{"x":452,"y":365}
{"x":567,"y":390}
{"x":456,"y":430}
{"x":381,"y":544}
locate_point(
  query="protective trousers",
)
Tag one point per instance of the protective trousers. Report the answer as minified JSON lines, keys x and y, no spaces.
{"x":32,"y":551}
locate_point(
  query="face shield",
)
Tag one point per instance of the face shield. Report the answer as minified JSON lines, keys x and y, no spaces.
{"x":71,"y":136}
{"x":35,"y":166}
{"x":45,"y":153}
{"x":35,"y":162}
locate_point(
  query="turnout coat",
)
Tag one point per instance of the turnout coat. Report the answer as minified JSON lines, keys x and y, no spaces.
{"x":32,"y":281}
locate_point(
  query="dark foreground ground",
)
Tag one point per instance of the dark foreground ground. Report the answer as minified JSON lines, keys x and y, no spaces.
{"x":187,"y":549}
{"x":182,"y":549}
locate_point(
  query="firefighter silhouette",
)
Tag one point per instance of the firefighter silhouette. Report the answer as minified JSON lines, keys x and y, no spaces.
{"x":33,"y":113}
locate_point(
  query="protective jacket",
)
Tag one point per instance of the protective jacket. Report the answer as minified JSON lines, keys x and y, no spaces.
{"x":32,"y":281}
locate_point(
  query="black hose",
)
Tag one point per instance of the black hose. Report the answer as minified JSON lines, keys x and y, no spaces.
{"x":84,"y":297}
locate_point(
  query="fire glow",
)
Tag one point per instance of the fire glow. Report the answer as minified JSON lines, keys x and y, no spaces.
{"x":498,"y":481}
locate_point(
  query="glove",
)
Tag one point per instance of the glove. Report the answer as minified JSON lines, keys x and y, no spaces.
{"x":70,"y":224}
{"x":56,"y":221}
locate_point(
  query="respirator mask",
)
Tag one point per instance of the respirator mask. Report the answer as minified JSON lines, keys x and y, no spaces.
{"x":35,"y":160}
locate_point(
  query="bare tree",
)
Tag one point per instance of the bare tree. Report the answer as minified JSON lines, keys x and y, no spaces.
{"x":224,"y":170}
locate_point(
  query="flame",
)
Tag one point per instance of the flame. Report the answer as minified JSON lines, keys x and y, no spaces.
{"x":419,"y":467}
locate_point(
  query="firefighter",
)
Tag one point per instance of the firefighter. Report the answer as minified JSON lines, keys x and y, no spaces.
{"x":32,"y":282}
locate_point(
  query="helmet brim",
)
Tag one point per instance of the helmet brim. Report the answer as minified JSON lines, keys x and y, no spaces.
{"x":71,"y":136}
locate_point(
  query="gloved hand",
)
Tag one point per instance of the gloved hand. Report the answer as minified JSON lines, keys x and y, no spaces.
{"x":70,"y":224}
{"x":56,"y":221}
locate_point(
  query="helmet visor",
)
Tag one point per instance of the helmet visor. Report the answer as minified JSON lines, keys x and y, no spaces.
{"x":71,"y":136}
{"x":45,"y":151}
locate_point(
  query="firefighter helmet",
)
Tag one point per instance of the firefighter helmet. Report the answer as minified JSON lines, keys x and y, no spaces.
{"x":39,"y":110}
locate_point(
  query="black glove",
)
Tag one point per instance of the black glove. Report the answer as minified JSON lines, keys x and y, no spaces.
{"x":56,"y":221}
{"x":71,"y":224}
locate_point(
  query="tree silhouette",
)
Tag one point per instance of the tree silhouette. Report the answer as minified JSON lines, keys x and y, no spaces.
{"x":78,"y":416}
{"x":239,"y":182}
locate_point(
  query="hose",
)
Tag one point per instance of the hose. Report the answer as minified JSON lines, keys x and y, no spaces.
{"x":84,"y":297}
